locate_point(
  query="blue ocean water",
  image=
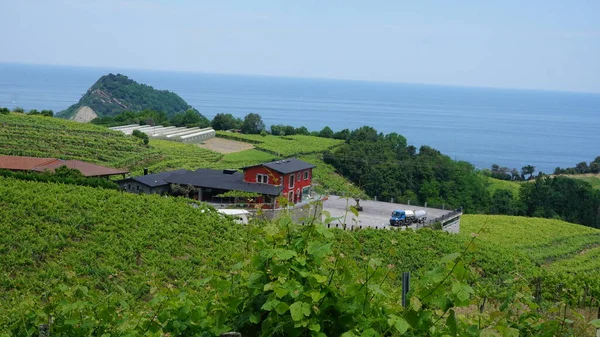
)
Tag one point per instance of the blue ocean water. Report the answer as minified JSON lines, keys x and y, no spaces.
{"x":484,"y":126}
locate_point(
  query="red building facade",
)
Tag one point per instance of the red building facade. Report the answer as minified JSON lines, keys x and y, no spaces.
{"x":292,"y":176}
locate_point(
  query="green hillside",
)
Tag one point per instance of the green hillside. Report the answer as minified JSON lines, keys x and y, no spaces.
{"x":497,"y":184}
{"x":102,"y":261}
{"x":593,"y":180}
{"x":113,"y":94}
{"x":556,"y":245}
{"x":38,"y":136}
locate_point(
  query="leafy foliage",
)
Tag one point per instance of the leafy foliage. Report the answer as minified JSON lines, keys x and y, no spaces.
{"x":568,"y":199}
{"x":253,"y":124}
{"x":172,"y":269}
{"x":189,"y":118}
{"x":384,"y":166}
{"x":144,"y":137}
{"x":223,"y":121}
{"x":113,"y":94}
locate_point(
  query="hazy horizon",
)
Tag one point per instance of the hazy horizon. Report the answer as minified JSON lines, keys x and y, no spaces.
{"x":537,"y":45}
{"x":122,"y":71}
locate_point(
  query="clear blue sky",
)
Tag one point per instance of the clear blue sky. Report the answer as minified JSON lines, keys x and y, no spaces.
{"x":516,"y":44}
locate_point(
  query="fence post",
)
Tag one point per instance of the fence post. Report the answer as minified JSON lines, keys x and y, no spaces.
{"x":443,"y":206}
{"x":392,"y":200}
{"x":408,"y":202}
{"x":375,"y":198}
{"x":425,"y":203}
{"x":405,"y":286}
{"x":44,"y":330}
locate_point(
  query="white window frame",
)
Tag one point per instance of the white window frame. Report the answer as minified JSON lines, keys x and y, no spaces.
{"x":291,"y":196}
{"x":298,"y":175}
{"x":262,"y":178}
{"x":306,"y":175}
{"x":291,"y":183}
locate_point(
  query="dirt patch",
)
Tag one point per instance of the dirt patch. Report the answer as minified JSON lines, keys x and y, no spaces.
{"x":84,"y":114}
{"x":224,"y":146}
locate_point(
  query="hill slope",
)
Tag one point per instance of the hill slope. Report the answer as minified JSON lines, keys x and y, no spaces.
{"x":113,"y":94}
{"x":554,"y":244}
{"x":37,"y":136}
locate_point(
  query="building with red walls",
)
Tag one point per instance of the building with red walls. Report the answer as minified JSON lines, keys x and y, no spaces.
{"x":293,"y":176}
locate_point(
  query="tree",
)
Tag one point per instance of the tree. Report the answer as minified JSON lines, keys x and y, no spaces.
{"x":302,"y":131}
{"x":515,"y":174}
{"x":253,"y":124}
{"x":19,"y":110}
{"x":344,"y":134}
{"x":594,"y":167}
{"x":4,"y":111}
{"x":223,"y":121}
{"x":326,"y":132}
{"x":190,"y":118}
{"x":502,"y":202}
{"x":47,"y":113}
{"x":528,"y":169}
{"x":581,"y":168}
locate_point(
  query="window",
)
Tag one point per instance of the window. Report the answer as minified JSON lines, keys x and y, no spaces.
{"x":306,"y":175}
{"x":262,"y":178}
{"x":291,"y":196}
{"x":298,"y":176}
{"x":128,"y":186}
{"x":137,"y":187}
{"x":292,"y":180}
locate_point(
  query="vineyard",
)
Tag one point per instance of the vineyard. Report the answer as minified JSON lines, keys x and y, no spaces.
{"x":545,"y":241}
{"x":285,"y":146}
{"x":39,"y":136}
{"x":107,"y":262}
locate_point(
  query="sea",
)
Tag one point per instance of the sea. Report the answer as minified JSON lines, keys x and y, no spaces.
{"x":483,"y":126}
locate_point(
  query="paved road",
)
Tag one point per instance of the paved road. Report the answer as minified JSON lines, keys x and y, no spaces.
{"x":374,"y":214}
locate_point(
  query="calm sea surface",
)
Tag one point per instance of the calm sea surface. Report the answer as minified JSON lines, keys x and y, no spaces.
{"x":483,"y":126}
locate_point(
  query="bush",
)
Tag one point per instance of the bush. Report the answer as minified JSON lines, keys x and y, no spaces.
{"x":139,"y":134}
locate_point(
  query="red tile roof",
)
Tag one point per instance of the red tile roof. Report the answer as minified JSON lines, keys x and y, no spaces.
{"x":50,"y":164}
{"x":17,"y":163}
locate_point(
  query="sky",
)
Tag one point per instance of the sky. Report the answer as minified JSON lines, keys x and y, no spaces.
{"x":534,"y":44}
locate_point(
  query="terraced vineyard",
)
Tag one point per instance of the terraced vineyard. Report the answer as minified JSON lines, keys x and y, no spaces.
{"x":175,"y":155}
{"x":38,"y":136}
{"x":554,"y":244}
{"x":285,"y":146}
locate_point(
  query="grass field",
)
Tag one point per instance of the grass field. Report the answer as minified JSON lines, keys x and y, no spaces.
{"x":285,"y":146}
{"x":594,"y":180}
{"x":552,"y":243}
{"x":497,"y":184}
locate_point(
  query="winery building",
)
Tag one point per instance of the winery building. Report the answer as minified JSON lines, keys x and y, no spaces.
{"x":291,"y":178}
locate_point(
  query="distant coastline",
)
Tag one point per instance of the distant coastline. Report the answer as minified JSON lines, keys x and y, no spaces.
{"x":484,"y":126}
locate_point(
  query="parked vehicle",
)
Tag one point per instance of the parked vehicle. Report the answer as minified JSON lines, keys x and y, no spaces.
{"x":407,"y":217}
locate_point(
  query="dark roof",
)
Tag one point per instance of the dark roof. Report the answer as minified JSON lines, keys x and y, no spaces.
{"x":286,"y":166}
{"x":218,"y":179}
{"x":87,"y":169}
{"x":156,"y":179}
